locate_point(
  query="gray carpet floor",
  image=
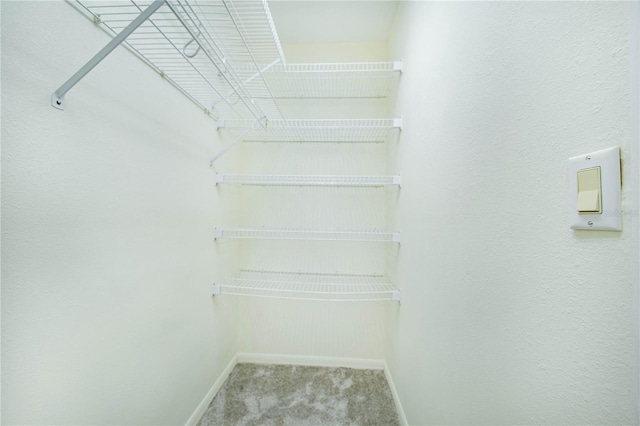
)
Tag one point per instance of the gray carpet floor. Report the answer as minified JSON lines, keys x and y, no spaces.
{"x":256,"y":394}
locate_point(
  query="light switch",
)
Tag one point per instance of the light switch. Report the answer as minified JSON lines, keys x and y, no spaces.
{"x":594,"y":181}
{"x":589,"y":191}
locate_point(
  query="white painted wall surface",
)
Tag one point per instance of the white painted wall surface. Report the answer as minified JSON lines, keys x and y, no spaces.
{"x":635,"y":174}
{"x":308,"y":328}
{"x":509,"y":316}
{"x":107,"y":250}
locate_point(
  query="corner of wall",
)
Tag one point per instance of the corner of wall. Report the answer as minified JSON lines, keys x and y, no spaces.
{"x":208,"y":398}
{"x":634,"y":71}
{"x":396,"y":398}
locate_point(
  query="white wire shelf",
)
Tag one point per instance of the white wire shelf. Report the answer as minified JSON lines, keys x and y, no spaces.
{"x":304,"y":286}
{"x":309,"y":180}
{"x":306,"y":234}
{"x":210,"y":50}
{"x":318,"y":130}
{"x":333,"y":80}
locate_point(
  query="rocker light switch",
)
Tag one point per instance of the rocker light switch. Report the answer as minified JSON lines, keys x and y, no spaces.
{"x":594,"y":181}
{"x":589,"y":190}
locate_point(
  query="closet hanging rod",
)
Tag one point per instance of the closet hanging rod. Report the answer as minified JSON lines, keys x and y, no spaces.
{"x":57,"y":99}
{"x":169,"y":34}
{"x":215,"y":50}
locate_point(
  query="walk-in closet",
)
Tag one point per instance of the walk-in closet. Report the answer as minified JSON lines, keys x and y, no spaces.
{"x":320,"y":212}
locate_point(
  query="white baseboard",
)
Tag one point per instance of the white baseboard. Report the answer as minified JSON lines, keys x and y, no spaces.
{"x":312,"y":361}
{"x":202,"y":407}
{"x":396,"y":397}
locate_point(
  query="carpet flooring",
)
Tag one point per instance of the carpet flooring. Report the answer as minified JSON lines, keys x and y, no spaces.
{"x":257,"y":394}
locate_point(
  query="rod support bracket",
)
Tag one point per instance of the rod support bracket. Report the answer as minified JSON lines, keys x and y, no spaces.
{"x":57,"y":101}
{"x":58,"y":95}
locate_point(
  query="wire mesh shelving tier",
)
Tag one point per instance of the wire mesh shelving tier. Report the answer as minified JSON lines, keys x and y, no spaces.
{"x":306,"y":234}
{"x":321,"y":130}
{"x":211,"y":50}
{"x":333,"y":80}
{"x":308,"y":180}
{"x":304,"y":286}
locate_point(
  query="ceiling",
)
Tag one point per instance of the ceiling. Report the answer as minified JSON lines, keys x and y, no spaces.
{"x":327,"y":21}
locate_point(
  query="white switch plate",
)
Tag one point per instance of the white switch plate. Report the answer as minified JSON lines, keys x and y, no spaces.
{"x":609,"y":162}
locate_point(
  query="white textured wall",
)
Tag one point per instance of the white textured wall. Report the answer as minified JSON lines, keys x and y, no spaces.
{"x":107,"y":255}
{"x":635,"y":174}
{"x":509,"y":316}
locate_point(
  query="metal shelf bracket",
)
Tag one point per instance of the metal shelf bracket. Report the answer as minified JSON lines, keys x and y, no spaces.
{"x":57,"y":98}
{"x":254,"y":125}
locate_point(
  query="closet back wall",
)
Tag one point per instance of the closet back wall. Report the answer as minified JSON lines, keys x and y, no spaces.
{"x":107,"y":251}
{"x":308,"y":328}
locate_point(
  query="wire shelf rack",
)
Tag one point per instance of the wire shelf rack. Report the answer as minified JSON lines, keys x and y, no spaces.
{"x":306,"y":234}
{"x":308,"y":180}
{"x":318,"y":130}
{"x":333,"y":80}
{"x":305,"y":286}
{"x":210,"y":50}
